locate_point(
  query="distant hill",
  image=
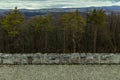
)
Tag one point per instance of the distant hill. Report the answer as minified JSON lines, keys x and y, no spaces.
{"x":34,"y":12}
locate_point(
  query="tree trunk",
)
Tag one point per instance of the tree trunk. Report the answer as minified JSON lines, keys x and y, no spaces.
{"x":64,"y":44}
{"x":74,"y":43}
{"x":95,"y":40}
{"x":46,"y":41}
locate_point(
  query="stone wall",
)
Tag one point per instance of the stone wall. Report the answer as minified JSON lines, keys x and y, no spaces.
{"x":52,"y":58}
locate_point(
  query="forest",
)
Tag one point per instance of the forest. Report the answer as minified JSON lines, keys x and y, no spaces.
{"x":92,"y":32}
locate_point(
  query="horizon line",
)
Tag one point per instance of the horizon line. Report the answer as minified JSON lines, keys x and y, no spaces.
{"x":58,"y":7}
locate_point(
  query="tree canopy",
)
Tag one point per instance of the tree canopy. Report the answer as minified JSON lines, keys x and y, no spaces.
{"x":12,"y":21}
{"x":68,"y":32}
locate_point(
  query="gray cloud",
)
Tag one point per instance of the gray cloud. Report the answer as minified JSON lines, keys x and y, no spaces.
{"x":38,"y":4}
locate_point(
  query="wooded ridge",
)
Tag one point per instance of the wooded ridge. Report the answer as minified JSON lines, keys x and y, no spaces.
{"x":94,"y":31}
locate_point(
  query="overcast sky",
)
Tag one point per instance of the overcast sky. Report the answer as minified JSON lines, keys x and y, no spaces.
{"x":39,"y":4}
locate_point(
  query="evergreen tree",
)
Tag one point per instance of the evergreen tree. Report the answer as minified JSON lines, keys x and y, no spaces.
{"x":11,"y":26}
{"x":75,"y":22}
{"x":97,"y":18}
{"x":12,"y":21}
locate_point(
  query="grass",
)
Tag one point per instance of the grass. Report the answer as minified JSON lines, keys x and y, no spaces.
{"x":59,"y":72}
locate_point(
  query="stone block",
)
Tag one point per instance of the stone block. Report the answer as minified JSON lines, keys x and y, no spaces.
{"x":65,"y":58}
{"x":7,"y":59}
{"x":51,"y":58}
{"x":38,"y":58}
{"x":75,"y":58}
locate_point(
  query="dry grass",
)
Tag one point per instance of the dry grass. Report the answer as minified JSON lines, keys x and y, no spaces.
{"x":60,"y":72}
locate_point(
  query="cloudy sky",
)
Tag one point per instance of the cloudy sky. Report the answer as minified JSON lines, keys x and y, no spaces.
{"x":39,"y":4}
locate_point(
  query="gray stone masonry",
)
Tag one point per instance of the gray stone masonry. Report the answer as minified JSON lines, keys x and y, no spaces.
{"x":60,"y":58}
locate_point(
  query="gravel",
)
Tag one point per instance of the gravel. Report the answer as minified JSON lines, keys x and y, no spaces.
{"x":59,"y":72}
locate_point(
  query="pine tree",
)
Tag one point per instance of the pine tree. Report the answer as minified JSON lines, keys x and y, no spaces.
{"x":11,"y":25}
{"x":75,"y":22}
{"x":96,"y":19}
{"x":12,"y":21}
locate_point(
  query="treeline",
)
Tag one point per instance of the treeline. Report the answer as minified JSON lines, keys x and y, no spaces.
{"x":93,"y":31}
